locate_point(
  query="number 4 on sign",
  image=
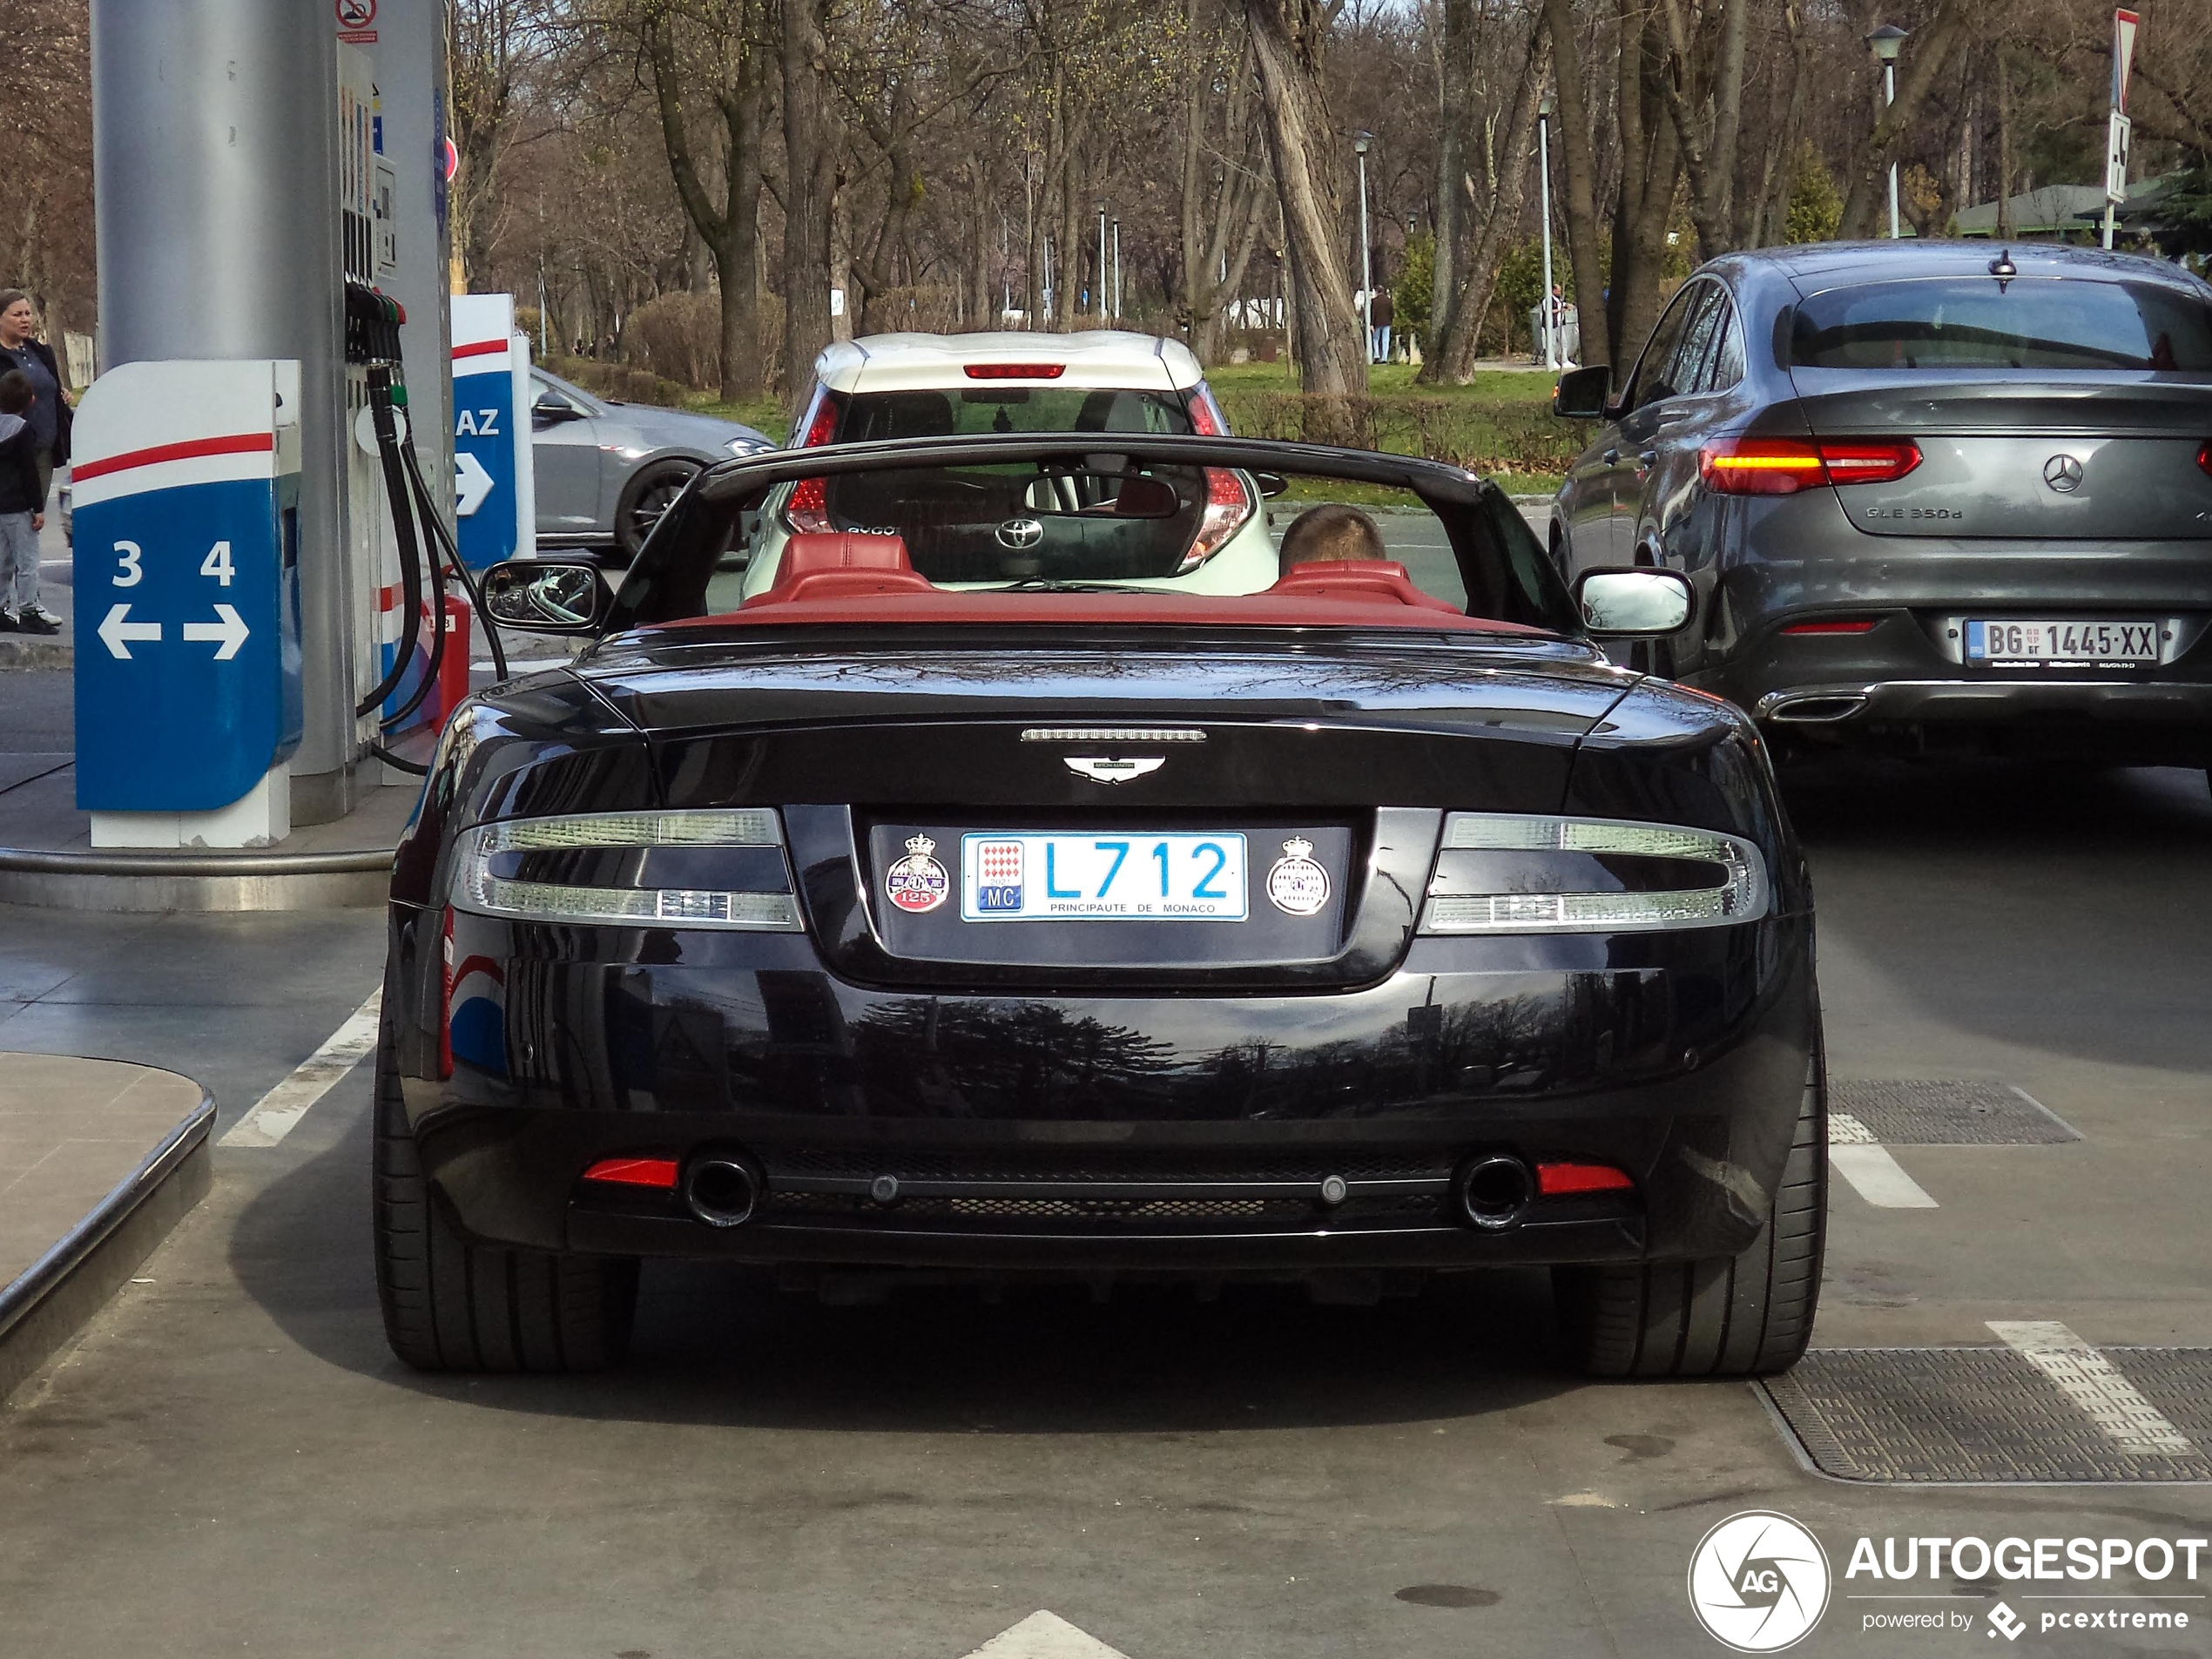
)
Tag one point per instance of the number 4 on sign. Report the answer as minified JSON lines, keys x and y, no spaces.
{"x":218,"y":562}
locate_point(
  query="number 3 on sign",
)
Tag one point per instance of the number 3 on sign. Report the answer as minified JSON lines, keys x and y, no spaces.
{"x":127,"y":573}
{"x":218,"y":562}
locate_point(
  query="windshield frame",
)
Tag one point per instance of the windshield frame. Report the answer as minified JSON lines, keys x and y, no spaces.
{"x":1497,"y":553}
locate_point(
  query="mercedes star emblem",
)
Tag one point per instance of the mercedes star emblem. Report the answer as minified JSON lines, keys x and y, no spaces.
{"x":1020,"y":533}
{"x":2063,"y":474}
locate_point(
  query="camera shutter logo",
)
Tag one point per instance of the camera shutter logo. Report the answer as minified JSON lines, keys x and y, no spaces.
{"x":1758,"y":1582}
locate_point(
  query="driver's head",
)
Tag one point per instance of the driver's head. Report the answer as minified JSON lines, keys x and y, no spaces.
{"x":1322,"y":534}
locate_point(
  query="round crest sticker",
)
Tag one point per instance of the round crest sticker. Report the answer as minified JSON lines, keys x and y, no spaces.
{"x":917,"y":882}
{"x":1296,"y":884}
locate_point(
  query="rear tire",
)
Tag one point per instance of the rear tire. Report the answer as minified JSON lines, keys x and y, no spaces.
{"x":1747,"y":1315}
{"x":450,"y":1304}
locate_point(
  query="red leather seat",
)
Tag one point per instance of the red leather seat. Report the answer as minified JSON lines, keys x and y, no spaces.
{"x":1368,"y":579}
{"x":841,"y":565}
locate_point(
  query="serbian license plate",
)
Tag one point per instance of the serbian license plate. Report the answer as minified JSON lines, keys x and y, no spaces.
{"x":2061,"y":642}
{"x":1103,"y":878}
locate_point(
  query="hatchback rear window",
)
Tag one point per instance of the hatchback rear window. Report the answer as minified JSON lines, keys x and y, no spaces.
{"x":972,"y":411}
{"x":2022,"y":322}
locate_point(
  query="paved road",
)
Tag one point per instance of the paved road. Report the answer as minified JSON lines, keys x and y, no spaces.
{"x":230,"y":1462}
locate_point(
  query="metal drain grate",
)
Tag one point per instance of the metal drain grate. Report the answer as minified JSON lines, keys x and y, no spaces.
{"x":1984,"y":1416}
{"x":1947,"y":1112}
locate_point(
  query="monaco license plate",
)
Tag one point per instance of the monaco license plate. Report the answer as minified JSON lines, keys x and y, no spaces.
{"x":2061,"y":642}
{"x":1030,"y":877}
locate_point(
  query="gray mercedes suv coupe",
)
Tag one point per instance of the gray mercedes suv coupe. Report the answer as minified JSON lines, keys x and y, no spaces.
{"x":1937,"y":495}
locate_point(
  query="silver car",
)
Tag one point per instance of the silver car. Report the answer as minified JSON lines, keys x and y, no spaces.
{"x":607,"y":471}
{"x":1939,"y":495}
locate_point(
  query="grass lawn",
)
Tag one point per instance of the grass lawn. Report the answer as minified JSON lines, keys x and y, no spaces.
{"x":1500,"y":424}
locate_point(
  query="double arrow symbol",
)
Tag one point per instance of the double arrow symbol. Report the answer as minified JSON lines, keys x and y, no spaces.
{"x":228,"y":631}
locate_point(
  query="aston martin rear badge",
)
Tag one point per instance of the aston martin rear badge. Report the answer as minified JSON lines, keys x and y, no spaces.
{"x":917,"y":882}
{"x":1102,"y":770}
{"x":1296,"y":884}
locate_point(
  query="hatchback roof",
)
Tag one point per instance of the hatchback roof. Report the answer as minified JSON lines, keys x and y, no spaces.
{"x":1096,"y":358}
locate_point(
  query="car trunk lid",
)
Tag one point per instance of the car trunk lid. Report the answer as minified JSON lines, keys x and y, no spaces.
{"x":2085,"y":457}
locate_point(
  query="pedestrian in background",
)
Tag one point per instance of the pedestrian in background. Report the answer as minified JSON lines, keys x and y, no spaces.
{"x":1380,"y":315}
{"x":22,"y":350}
{"x":23,"y":511}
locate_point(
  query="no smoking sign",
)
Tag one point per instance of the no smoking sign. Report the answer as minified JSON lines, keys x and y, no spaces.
{"x":355,"y":18}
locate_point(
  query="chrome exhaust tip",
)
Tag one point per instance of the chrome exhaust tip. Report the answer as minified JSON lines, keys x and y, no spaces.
{"x":722,"y":1188}
{"x":1495,"y":1191}
{"x":1811,"y":708}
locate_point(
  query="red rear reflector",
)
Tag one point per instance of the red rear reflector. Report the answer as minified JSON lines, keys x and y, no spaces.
{"x":1558,"y":1180}
{"x":1860,"y":625}
{"x":2204,"y":457}
{"x":1784,"y":466}
{"x":1014,"y":371}
{"x":635,"y":1172}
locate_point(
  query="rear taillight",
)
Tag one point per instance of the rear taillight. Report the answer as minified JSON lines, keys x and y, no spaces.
{"x":1849,"y":625}
{"x":1229,"y":505}
{"x":1014,"y":371}
{"x":1206,"y":418}
{"x":808,"y":508}
{"x":2204,"y":457}
{"x":1784,"y":466}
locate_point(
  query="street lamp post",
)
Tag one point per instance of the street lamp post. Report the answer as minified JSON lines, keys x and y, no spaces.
{"x":1117,"y":270}
{"x":1886,"y":40}
{"x":1101,"y":259}
{"x":1366,"y":264}
{"x":1545,"y":106}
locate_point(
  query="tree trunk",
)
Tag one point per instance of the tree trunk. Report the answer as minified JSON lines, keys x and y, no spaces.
{"x":1708,"y":153}
{"x":1453,"y":66}
{"x":812,"y":159}
{"x":1575,"y":130}
{"x":2004,"y":142}
{"x":1650,"y":170}
{"x":1930,"y":52}
{"x":1767,"y":218}
{"x":1459,"y":346}
{"x":1287,"y":37}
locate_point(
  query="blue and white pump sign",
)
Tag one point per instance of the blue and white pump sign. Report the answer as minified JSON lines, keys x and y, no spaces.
{"x":186,"y":482}
{"x":495,"y":503}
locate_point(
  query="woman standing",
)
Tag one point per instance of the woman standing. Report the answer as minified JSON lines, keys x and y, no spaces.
{"x":49,"y":414}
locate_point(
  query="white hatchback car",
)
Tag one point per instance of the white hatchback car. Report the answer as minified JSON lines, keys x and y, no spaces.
{"x":989,"y":527}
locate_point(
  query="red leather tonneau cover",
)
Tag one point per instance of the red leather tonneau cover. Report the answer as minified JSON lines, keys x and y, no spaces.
{"x":1132,"y":608}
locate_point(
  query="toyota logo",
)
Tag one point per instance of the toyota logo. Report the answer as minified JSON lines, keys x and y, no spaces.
{"x":2063,"y":474}
{"x":1022,"y":534}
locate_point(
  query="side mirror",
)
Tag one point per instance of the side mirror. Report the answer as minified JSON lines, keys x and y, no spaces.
{"x":541,"y":596}
{"x":1580,"y":394}
{"x":1637,"y":602}
{"x":551,"y":408}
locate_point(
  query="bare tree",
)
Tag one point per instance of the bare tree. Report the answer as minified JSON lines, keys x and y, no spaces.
{"x":810,"y":160}
{"x":1220,"y":224}
{"x":1288,"y":41}
{"x":1580,"y":179}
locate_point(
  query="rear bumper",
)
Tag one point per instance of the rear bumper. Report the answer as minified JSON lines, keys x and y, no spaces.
{"x":2136,"y":703}
{"x":1019,"y":1128}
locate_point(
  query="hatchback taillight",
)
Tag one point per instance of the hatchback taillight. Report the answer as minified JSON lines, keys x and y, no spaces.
{"x":1784,"y":466}
{"x":2204,"y":457}
{"x":808,"y":508}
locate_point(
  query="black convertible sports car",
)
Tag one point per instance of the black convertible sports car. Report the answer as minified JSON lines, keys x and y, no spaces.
{"x":1043,"y":912}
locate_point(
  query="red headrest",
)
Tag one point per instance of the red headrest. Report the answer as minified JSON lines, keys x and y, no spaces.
{"x":841,"y":565}
{"x":1368,"y":579}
